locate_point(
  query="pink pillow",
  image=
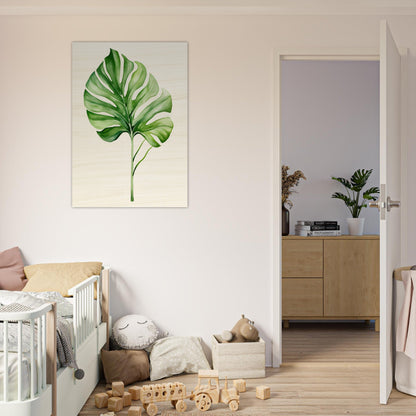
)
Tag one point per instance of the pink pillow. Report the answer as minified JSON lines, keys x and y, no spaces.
{"x":12,"y":276}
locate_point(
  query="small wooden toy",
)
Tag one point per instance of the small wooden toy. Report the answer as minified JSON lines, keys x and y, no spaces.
{"x":109,"y":393}
{"x":151,"y":393}
{"x":240,"y":385}
{"x":117,"y":388}
{"x":263,"y":392}
{"x":205,"y":395}
{"x":108,"y":414}
{"x":101,"y":400}
{"x":115,"y":404}
{"x":126,"y":399}
{"x":134,"y":411}
{"x":135,"y":392}
{"x":202,"y":395}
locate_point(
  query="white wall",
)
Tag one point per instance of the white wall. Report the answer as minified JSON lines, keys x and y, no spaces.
{"x":194,"y":270}
{"x":330,"y":127}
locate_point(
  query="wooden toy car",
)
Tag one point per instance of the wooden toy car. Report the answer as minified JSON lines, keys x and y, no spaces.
{"x":153,"y":393}
{"x":205,"y":395}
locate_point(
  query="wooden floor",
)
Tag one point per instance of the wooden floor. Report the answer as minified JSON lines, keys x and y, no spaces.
{"x":329,"y":369}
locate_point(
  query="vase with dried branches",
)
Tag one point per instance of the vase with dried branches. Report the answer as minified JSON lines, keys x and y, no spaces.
{"x":288,"y":184}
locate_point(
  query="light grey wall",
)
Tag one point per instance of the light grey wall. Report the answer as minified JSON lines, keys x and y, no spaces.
{"x":330,"y":127}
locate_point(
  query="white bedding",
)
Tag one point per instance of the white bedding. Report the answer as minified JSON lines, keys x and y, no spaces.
{"x":13,"y":372}
{"x":33,"y":300}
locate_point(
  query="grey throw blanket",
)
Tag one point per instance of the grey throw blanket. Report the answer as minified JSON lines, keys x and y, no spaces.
{"x":64,"y":349}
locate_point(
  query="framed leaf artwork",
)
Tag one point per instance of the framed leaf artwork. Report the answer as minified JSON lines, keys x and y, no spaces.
{"x":129,"y":124}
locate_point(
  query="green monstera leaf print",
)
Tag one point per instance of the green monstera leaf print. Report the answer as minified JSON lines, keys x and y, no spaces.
{"x":121,"y":96}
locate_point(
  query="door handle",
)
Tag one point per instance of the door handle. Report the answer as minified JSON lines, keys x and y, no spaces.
{"x":384,"y":206}
{"x":388,"y":205}
{"x":392,"y":204}
{"x":377,"y":204}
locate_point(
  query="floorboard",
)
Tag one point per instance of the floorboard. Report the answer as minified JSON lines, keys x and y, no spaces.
{"x":329,"y":369}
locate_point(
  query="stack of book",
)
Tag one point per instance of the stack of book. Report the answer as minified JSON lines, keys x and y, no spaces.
{"x":317,"y":228}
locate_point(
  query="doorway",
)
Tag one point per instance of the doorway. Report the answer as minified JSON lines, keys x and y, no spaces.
{"x":330,"y":281}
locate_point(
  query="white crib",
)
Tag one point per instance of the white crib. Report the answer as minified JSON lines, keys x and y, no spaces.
{"x":51,"y":391}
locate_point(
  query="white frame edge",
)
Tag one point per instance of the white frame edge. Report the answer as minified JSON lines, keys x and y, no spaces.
{"x":276,"y":224}
{"x":404,"y":54}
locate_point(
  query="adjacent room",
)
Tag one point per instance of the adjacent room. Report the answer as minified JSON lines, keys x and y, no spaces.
{"x":330,"y":272}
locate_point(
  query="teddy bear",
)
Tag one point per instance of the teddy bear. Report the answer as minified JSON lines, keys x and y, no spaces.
{"x":243,"y":331}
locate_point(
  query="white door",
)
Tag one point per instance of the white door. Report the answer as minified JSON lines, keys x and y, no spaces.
{"x":390,"y":181}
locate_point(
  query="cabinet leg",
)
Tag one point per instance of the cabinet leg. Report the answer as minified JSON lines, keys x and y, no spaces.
{"x":377,"y":326}
{"x":285,"y":324}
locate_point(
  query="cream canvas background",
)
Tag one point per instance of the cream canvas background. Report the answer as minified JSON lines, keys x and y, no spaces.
{"x":101,"y":170}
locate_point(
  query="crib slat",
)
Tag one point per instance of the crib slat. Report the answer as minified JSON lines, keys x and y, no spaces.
{"x":86,"y":313}
{"x":89,"y":310}
{"x":83,"y":314}
{"x":32,"y":359}
{"x":19,"y":360}
{"x":91,"y":305}
{"x":97,"y":320}
{"x":44,"y":352}
{"x":6,"y":361}
{"x":80,"y":318}
{"x":75,"y":317}
{"x":39,"y":354}
{"x":92,"y":308}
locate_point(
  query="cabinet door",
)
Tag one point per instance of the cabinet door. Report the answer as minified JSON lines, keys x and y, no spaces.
{"x":351,"y":278}
{"x":302,"y":297}
{"x":302,"y":258}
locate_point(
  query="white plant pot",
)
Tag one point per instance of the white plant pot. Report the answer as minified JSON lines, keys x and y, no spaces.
{"x":355,"y":226}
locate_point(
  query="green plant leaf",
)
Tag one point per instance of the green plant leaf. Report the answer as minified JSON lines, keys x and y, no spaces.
{"x":359,"y":178}
{"x":122,"y":97}
{"x":343,"y":181}
{"x":371,"y":193}
{"x":348,"y":201}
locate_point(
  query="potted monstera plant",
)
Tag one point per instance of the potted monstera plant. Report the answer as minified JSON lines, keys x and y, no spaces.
{"x":354,"y":200}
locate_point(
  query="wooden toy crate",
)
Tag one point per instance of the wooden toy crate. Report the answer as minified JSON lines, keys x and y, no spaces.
{"x":239,"y":359}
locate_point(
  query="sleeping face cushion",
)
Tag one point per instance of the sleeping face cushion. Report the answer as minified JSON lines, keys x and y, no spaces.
{"x":135,"y":332}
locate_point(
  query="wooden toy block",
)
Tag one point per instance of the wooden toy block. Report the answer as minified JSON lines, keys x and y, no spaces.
{"x":263,"y":392}
{"x":240,"y":385}
{"x":109,"y":393}
{"x":134,"y":411}
{"x":117,"y":388}
{"x":115,"y":404}
{"x":101,"y":400}
{"x":135,"y":392}
{"x":126,"y":399}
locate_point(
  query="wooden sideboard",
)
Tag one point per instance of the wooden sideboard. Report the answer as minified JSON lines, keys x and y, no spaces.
{"x":328,"y":278}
